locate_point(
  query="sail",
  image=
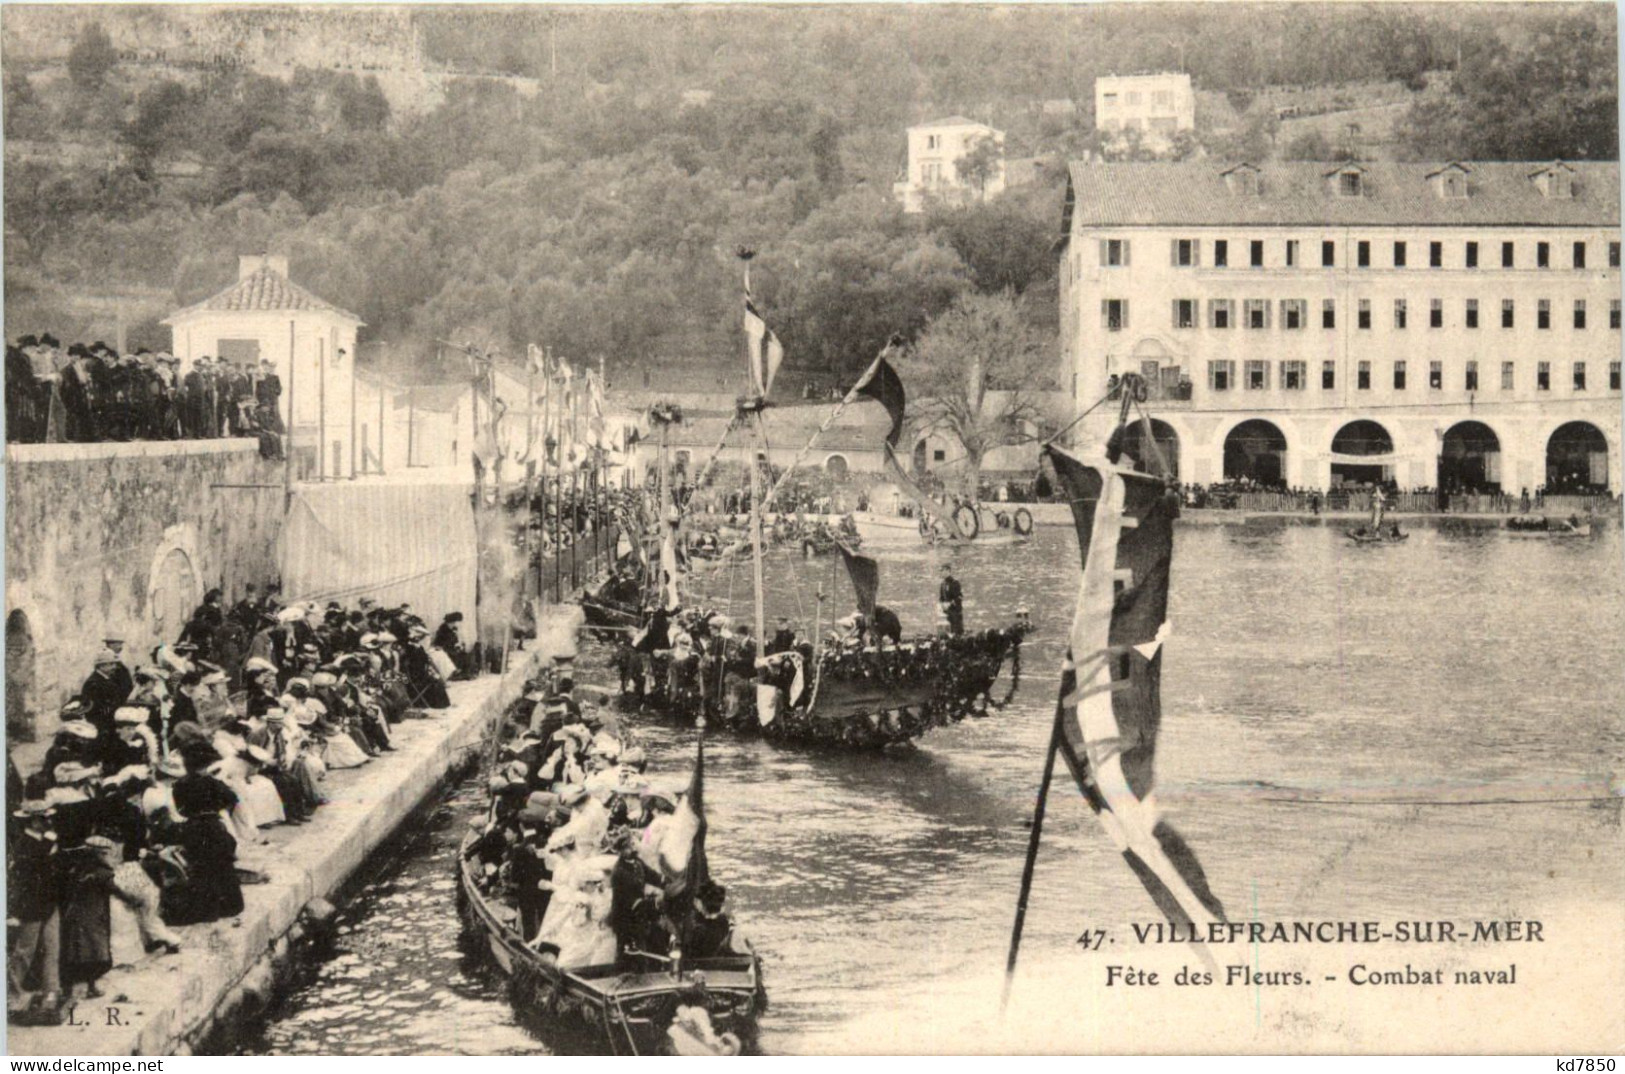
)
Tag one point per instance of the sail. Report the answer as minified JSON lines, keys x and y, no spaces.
{"x":682,"y":847}
{"x":668,"y":557}
{"x":881,"y":383}
{"x":927,"y":504}
{"x":865,"y":575}
{"x":1110,"y":708}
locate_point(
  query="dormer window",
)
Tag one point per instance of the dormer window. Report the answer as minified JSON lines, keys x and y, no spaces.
{"x":1450,"y":181}
{"x":1242,"y":180}
{"x":1347,"y":181}
{"x":1556,"y":181}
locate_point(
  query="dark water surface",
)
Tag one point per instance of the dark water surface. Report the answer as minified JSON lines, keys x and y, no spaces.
{"x":1318,"y":695}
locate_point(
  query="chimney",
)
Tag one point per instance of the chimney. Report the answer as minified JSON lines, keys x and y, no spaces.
{"x":248,"y":264}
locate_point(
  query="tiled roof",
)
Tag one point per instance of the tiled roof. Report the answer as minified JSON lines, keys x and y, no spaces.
{"x":265,"y":290}
{"x":1291,"y":193}
{"x":437,"y":397}
{"x":951,"y":121}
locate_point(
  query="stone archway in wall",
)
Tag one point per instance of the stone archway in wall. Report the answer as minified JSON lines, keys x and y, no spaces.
{"x":20,"y":670}
{"x":1163,"y":436}
{"x":920,"y":454}
{"x":1362,"y":439}
{"x":835,"y":466}
{"x":174,"y":584}
{"x":1256,"y":449}
{"x":1577,"y":459}
{"x":1470,"y":458}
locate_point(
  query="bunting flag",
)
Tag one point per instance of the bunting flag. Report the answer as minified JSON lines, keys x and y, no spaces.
{"x":1110,"y":707}
{"x":766,"y":354}
{"x":682,"y":847}
{"x":865,"y":575}
{"x":595,"y":410}
{"x":881,"y":383}
{"x":535,"y":359}
{"x":924,"y":500}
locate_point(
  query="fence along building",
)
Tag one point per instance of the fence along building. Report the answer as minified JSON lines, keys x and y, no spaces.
{"x":1438,"y":325}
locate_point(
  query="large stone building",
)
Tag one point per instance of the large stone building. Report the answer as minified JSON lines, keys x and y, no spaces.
{"x":1157,"y":105}
{"x":1438,"y":325}
{"x":935,"y":153}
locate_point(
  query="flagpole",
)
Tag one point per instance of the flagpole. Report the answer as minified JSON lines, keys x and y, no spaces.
{"x":1032,"y":855}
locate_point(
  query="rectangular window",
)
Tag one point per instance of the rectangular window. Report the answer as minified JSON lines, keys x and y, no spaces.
{"x":1543,"y":376}
{"x":1435,"y":374}
{"x":1579,"y":376}
{"x":1579,"y":255}
{"x":1328,"y":375}
{"x":1221,"y":312}
{"x":1471,"y":258}
{"x":1187,"y":252}
{"x":1362,"y":377}
{"x":1114,"y":313}
{"x":1293,"y":375}
{"x":1399,"y":376}
{"x":1436,"y":255}
{"x":1471,"y":383}
{"x":1362,"y":254}
{"x":1294,"y":312}
{"x":1221,"y":375}
{"x":1257,"y":249}
{"x":1543,"y":313}
{"x":1184,"y":313}
{"x":1114,"y":252}
{"x":1399,"y":255}
{"x":1258,"y":375}
{"x":1543,"y":255}
{"x":1328,"y":253}
{"x":1506,"y":313}
{"x":1292,"y":253}
{"x":1399,"y":313}
{"x":1363,"y":319}
{"x":1221,"y":253}
{"x":1613,"y":313}
{"x":1436,"y":313}
{"x":1613,"y":376}
{"x":1258,"y":312}
{"x":1506,"y":376}
{"x":1472,"y":313}
{"x":1580,"y":313}
{"x":1506,"y":255}
{"x":1328,"y":313}
{"x":1613,"y":255}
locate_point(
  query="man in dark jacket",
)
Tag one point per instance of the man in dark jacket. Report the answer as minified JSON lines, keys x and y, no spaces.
{"x":951,"y":601}
{"x":34,"y":964}
{"x":102,"y":694}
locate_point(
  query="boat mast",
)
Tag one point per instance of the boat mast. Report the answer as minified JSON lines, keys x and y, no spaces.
{"x":754,"y":402}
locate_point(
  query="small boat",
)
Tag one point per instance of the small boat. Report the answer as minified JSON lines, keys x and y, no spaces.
{"x":628,"y":1007}
{"x":1365,"y":536}
{"x":1523,"y":526}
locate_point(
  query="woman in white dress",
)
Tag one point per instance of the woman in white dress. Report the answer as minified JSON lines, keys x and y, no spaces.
{"x":577,"y":918}
{"x":337,"y":749}
{"x":241,"y":771}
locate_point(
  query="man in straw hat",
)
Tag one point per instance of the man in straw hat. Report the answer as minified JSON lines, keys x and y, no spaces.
{"x":34,"y":962}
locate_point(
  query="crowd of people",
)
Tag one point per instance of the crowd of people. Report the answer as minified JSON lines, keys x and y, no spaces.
{"x":589,"y":858}
{"x":158,"y":773}
{"x":86,"y":393}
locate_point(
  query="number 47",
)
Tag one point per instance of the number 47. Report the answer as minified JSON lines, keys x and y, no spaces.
{"x":1092,"y":939}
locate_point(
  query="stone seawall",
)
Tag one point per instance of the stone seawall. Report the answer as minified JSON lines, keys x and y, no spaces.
{"x":226,"y":970}
{"x":122,"y":539}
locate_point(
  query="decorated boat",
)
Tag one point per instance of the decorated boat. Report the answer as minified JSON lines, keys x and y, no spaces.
{"x":1362,"y":535}
{"x":857,"y":690}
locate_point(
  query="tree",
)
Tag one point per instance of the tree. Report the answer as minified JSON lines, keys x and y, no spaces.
{"x":91,"y":58}
{"x":1310,"y":145}
{"x":1005,"y":247}
{"x":980,"y":164}
{"x":976,"y":374}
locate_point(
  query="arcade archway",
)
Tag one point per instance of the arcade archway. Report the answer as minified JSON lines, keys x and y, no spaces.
{"x":1470,"y":459}
{"x":1361,"y":440}
{"x":1256,"y":450}
{"x":1577,"y":459}
{"x":835,"y":466}
{"x":1163,"y":436}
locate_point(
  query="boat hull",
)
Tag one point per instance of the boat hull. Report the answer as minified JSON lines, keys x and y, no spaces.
{"x":623,"y":1010}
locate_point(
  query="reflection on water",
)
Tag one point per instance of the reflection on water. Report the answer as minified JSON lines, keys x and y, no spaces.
{"x":1309,"y":683}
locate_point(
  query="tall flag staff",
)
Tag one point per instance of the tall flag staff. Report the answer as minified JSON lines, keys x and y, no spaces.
{"x":1109,"y":709}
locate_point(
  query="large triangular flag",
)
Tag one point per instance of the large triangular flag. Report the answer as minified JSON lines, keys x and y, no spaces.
{"x":766,"y":354}
{"x":881,"y":383}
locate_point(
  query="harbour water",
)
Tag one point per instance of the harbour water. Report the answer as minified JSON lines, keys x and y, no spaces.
{"x":1324,"y":705}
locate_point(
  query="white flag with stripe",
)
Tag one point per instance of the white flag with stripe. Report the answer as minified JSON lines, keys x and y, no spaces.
{"x":766,"y":353}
